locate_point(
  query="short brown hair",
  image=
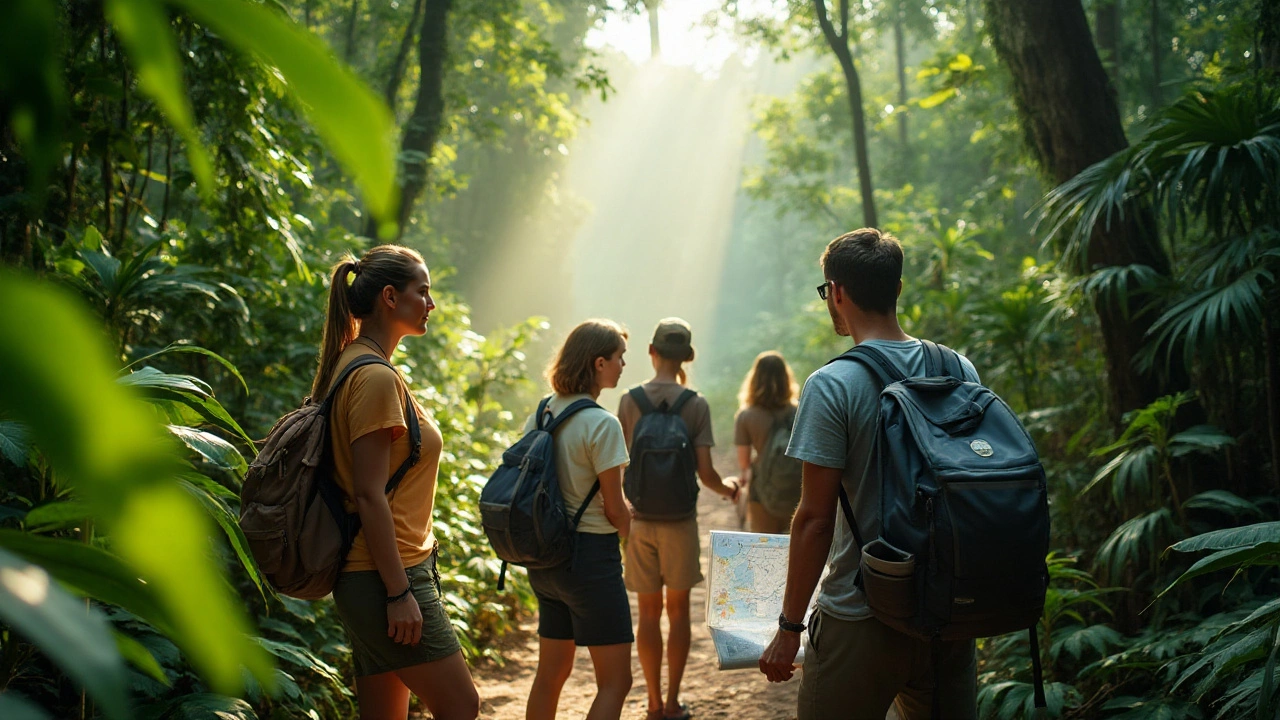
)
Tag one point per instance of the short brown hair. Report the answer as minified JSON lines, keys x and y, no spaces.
{"x":574,"y":368}
{"x":769,"y":384}
{"x":867,"y":263}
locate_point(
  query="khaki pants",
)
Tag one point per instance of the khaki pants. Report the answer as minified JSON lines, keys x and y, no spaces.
{"x":856,"y":670}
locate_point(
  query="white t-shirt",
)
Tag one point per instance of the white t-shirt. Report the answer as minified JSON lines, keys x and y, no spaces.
{"x":587,"y":444}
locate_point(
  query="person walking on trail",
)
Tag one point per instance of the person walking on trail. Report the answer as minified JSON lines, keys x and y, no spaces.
{"x":855,"y":666}
{"x":668,"y":433}
{"x":388,"y":593}
{"x":583,"y":602}
{"x":761,"y":431}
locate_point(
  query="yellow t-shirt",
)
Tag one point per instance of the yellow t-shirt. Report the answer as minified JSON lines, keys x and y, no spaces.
{"x":373,"y":399}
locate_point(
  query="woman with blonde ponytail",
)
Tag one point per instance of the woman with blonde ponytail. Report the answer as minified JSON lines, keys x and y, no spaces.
{"x":388,"y":594}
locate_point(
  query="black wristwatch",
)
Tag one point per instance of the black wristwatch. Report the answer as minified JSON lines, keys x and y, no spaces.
{"x":789,"y":626}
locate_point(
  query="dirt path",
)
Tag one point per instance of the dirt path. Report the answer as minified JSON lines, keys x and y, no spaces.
{"x":710,"y":693}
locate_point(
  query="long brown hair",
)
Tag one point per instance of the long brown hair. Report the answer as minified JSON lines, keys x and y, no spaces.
{"x":350,"y":302}
{"x":769,"y":384}
{"x":573,"y":369}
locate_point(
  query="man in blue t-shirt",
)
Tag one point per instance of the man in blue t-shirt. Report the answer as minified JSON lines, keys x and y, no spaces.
{"x":855,"y":666}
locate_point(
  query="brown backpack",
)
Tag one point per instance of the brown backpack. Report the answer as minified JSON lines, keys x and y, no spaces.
{"x":291,"y":510}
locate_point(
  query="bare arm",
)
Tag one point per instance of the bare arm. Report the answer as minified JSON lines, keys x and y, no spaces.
{"x":707,"y":473}
{"x":371,"y":456}
{"x":744,"y":461}
{"x":615,"y":506}
{"x":811,"y":533}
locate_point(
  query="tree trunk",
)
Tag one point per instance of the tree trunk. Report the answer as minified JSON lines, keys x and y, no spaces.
{"x":1271,"y":356}
{"x":839,"y":44}
{"x":402,"y":57}
{"x":899,"y":43}
{"x":1071,"y":120}
{"x":423,"y":127}
{"x":1269,"y":35}
{"x":655,"y":45}
{"x":1107,"y":27}
{"x":1156,"y":80}
{"x":352,"y":16}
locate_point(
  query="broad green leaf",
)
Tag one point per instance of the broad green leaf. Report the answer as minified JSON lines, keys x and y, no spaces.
{"x":138,"y":654}
{"x":212,"y":448}
{"x":77,"y":639}
{"x":91,"y":571}
{"x":144,"y":28}
{"x":15,"y":707}
{"x":117,"y":457}
{"x":302,"y":657}
{"x":57,"y":515}
{"x":179,"y":348}
{"x":355,"y":124}
{"x":1222,"y":501}
{"x":1231,"y":557}
{"x":13,"y":442}
{"x":190,"y":391}
{"x":207,"y":706}
{"x":1267,"y":532}
{"x":162,"y":530}
{"x":231,"y":529}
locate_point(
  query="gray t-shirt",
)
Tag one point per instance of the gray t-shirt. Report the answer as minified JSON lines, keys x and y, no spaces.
{"x":835,"y":427}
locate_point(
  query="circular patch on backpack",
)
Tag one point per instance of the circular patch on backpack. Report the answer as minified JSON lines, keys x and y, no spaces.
{"x":982,"y":447}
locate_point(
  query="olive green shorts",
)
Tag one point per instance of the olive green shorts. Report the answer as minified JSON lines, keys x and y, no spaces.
{"x":361,"y":600}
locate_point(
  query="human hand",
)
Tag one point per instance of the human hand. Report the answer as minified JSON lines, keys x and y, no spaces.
{"x":778,"y":662}
{"x":404,"y":620}
{"x":735,"y":486}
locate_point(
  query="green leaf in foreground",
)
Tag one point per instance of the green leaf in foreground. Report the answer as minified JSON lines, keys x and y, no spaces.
{"x":76,"y":638}
{"x":116,"y":456}
{"x":144,"y":28}
{"x":355,"y":124}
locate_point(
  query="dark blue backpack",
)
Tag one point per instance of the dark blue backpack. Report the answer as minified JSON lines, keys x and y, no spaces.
{"x":661,"y":480}
{"x":521,"y":507}
{"x":964,"y":514}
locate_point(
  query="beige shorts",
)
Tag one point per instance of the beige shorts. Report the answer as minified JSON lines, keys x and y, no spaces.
{"x":663,"y":553}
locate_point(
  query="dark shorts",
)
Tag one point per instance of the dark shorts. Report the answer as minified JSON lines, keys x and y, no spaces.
{"x":585,"y":600}
{"x":361,"y":600}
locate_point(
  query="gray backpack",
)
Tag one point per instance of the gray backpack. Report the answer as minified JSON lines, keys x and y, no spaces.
{"x":661,"y":481}
{"x":776,"y":476}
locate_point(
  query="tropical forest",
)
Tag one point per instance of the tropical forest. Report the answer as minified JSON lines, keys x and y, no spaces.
{"x":1087,"y":194}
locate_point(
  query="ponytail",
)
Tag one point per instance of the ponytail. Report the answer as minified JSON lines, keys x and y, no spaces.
{"x":339,"y":326}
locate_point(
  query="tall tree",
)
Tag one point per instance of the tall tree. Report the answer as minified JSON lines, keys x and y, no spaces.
{"x":655,"y":41}
{"x":1107,"y":27}
{"x":402,"y":56}
{"x":1071,"y":120}
{"x":1156,"y":79}
{"x":839,"y":42}
{"x":422,"y":129}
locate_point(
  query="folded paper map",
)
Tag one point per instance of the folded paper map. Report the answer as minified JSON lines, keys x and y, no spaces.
{"x":744,"y":595}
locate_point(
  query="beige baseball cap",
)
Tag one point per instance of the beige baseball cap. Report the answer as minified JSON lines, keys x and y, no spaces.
{"x":673,"y":338}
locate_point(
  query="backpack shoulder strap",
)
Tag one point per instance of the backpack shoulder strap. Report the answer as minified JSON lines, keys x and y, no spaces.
{"x":876,"y":360}
{"x":951,"y":360}
{"x":542,"y":416}
{"x":591,"y":494}
{"x":345,"y":373}
{"x":568,"y":412}
{"x":641,"y":399}
{"x":933,"y":363}
{"x":685,"y":397}
{"x":410,"y":415}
